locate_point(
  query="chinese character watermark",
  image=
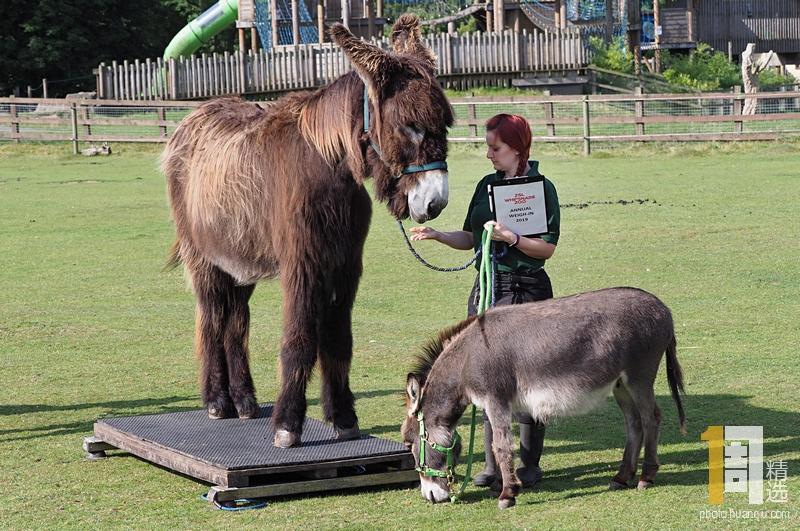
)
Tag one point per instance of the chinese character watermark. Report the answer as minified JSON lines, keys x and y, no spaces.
{"x":739,"y":467}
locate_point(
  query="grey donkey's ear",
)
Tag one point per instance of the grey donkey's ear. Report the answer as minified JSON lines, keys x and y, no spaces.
{"x":407,"y":40}
{"x":373,"y":65}
{"x":414,"y":392}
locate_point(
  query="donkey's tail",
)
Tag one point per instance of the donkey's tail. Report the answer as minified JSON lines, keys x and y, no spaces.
{"x":675,"y":378}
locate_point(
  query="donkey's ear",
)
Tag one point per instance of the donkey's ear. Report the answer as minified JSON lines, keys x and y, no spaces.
{"x":407,"y":40}
{"x":373,"y":65}
{"x":414,"y":392}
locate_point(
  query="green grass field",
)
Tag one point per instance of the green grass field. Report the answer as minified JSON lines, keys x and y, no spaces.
{"x":91,"y":326}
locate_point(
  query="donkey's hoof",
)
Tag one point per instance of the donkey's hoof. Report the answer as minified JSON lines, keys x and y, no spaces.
{"x":286,"y":439}
{"x":506,"y":503}
{"x":248,"y":408}
{"x":216,"y":413}
{"x":615,"y":485}
{"x":643,"y":485}
{"x":347,"y":434}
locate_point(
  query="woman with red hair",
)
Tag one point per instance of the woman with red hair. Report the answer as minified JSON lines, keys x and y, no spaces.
{"x":520,"y":272}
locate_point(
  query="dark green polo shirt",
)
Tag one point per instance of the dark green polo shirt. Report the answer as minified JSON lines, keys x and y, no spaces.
{"x":515,"y":261}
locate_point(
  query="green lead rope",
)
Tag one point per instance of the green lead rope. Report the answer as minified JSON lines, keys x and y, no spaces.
{"x":486,"y":280}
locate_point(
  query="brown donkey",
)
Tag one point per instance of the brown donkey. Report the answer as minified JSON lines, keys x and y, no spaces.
{"x":550,"y":358}
{"x":271,"y":190}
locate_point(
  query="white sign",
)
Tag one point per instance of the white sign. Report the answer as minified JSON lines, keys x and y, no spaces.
{"x":519,"y":205}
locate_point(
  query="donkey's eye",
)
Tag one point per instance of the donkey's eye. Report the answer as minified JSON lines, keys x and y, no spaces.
{"x":415,"y":132}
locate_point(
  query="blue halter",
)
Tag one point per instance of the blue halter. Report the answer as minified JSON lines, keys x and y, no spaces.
{"x":437,"y":165}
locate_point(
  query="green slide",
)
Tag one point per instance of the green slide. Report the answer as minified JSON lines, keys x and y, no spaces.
{"x":202,"y":29}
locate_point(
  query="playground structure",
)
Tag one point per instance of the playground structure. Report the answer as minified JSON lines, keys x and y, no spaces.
{"x":275,"y":23}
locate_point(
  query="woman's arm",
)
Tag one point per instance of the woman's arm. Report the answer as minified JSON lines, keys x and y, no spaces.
{"x":458,"y":239}
{"x":533,"y":247}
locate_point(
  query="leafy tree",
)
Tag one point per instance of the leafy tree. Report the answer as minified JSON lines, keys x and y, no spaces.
{"x":63,"y":40}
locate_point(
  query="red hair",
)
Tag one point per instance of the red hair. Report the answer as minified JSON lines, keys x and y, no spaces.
{"x":514,"y":130}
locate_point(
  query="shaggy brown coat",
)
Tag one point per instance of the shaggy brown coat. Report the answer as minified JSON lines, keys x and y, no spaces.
{"x":269,"y":190}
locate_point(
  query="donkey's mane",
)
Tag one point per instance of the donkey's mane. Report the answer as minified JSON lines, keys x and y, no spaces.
{"x":424,"y":360}
{"x":325,"y":118}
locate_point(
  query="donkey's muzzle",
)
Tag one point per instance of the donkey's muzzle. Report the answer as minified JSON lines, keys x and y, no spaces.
{"x":427,"y":200}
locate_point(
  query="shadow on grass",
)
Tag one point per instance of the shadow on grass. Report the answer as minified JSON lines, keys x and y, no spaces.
{"x":604,"y":430}
{"x":115,"y":408}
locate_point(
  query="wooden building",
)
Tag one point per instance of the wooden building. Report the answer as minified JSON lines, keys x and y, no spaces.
{"x":770,"y":24}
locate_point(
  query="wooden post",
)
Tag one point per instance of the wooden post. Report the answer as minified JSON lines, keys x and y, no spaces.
{"x":639,"y":110}
{"x":295,"y":22}
{"x":44,"y":88}
{"x":321,"y":20}
{"x":162,"y":129}
{"x":657,"y":31}
{"x":346,"y":13}
{"x":273,"y":15}
{"x":370,"y":18}
{"x":473,"y":128}
{"x":587,"y":147}
{"x":562,"y":14}
{"x":14,"y":125}
{"x":87,"y":129}
{"x":499,"y":16}
{"x":489,"y":18}
{"x":737,"y":108}
{"x":548,"y":113}
{"x":609,"y":21}
{"x":74,"y":112}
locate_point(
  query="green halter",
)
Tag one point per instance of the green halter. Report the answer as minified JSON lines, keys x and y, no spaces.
{"x":429,"y":472}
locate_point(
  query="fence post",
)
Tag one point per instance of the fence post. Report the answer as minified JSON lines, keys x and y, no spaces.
{"x":162,"y":129}
{"x":637,"y":91}
{"x":14,"y":124}
{"x":473,"y":128}
{"x":548,"y":113}
{"x":74,"y":111}
{"x":737,"y":108}
{"x":587,"y":148}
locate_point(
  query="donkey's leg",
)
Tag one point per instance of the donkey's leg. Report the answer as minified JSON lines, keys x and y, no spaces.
{"x":210,"y":286}
{"x":506,"y":483}
{"x":236,"y":334}
{"x":633,"y":443}
{"x":651,"y":420}
{"x":335,"y":355}
{"x":301,"y":311}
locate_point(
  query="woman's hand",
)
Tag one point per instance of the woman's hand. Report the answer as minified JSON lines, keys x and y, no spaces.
{"x":501,"y":233}
{"x":424,"y":233}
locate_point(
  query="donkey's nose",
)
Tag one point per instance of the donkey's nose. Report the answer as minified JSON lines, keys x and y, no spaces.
{"x":435,"y":208}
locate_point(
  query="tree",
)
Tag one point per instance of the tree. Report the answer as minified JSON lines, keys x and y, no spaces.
{"x":64,"y":40}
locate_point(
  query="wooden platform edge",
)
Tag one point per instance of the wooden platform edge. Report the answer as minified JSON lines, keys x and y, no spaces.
{"x":219,"y":494}
{"x":160,"y":455}
{"x":107,"y":437}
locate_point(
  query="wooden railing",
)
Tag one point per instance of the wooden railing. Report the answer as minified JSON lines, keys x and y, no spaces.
{"x":462,"y":62}
{"x":587,"y":119}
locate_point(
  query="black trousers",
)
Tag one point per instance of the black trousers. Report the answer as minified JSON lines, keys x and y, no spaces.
{"x":513,"y":288}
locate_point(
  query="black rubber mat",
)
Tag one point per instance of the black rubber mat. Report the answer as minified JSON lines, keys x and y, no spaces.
{"x":235,"y":444}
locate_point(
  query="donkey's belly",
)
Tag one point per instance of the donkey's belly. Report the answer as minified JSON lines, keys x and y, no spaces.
{"x":543,"y":402}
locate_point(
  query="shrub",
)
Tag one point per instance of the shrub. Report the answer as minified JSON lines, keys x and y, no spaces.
{"x":611,"y":56}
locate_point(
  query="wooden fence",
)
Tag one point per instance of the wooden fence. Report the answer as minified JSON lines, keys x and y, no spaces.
{"x":463,"y":62}
{"x":587,"y":119}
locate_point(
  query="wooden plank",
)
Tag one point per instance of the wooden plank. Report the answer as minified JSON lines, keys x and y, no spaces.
{"x":161,"y":456}
{"x":222,"y":494}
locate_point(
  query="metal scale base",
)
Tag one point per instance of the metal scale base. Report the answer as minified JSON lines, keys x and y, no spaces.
{"x":238,"y":459}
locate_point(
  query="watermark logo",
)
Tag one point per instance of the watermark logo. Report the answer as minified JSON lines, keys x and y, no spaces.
{"x":738,"y":467}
